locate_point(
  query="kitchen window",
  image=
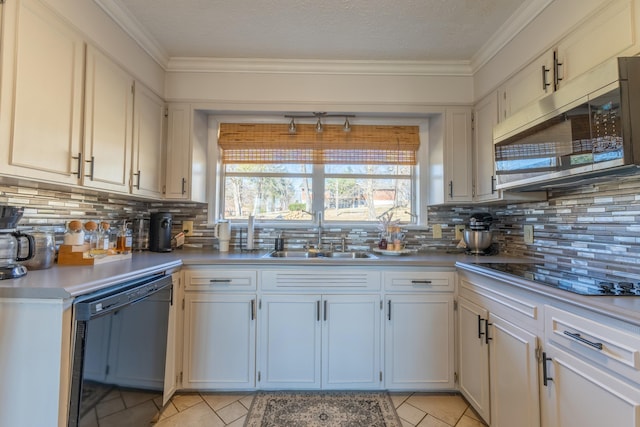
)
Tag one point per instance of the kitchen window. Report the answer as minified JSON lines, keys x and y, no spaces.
{"x":278,"y":177}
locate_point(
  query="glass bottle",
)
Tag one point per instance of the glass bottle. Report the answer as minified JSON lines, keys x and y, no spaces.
{"x":124,"y":241}
{"x":105,"y":238}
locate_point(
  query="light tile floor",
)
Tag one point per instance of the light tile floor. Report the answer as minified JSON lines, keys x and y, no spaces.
{"x":122,"y":408}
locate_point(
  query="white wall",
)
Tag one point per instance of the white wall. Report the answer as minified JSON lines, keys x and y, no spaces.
{"x":259,"y":89}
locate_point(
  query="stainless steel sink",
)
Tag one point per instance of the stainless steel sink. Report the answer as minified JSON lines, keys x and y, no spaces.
{"x":320,"y":255}
{"x":350,"y":255}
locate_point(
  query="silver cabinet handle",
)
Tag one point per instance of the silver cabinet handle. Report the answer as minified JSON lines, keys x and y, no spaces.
{"x":78,"y":173}
{"x":545,"y":85}
{"x":556,"y":70}
{"x":220,"y":281}
{"x":138,"y":179}
{"x":545,"y":376}
{"x":253,"y":309}
{"x":325,"y":310}
{"x":421,"y":282}
{"x":576,"y":336}
{"x":184,"y":185}
{"x":93,"y":162}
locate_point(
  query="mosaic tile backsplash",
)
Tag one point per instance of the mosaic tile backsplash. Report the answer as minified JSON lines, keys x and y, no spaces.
{"x":594,"y":227}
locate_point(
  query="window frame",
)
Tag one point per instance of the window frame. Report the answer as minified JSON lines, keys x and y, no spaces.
{"x":418,"y":177}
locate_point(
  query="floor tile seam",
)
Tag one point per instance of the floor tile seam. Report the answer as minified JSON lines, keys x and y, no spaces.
{"x":426,"y":414}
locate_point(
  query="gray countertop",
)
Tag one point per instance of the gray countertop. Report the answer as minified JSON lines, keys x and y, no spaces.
{"x":626,"y":308}
{"x":62,"y":282}
{"x":72,"y":281}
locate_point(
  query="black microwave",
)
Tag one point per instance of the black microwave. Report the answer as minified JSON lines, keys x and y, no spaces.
{"x":586,"y":131}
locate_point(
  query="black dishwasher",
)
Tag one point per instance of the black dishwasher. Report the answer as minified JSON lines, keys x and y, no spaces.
{"x":119,"y":353}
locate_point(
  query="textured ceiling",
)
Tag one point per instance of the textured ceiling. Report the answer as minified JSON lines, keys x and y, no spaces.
{"x":381,"y":30}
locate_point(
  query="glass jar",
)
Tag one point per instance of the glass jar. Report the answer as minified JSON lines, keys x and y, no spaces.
{"x":74,"y":235}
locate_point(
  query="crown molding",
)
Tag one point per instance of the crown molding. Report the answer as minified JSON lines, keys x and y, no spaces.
{"x":522,"y":17}
{"x":130,"y":25}
{"x":291,"y":66}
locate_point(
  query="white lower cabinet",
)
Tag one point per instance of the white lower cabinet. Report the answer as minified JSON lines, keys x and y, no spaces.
{"x":473,"y":353}
{"x":419,"y":329}
{"x":220,"y":310}
{"x":219,"y":341}
{"x":419,"y":344}
{"x":498,"y":347}
{"x":320,"y":341}
{"x":590,"y":372}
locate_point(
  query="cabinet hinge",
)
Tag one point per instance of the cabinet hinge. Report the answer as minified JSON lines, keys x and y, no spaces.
{"x":181,"y":377}
{"x":183,"y":304}
{"x":380,"y":376}
{"x":164,"y":189}
{"x":260,"y":304}
{"x":538,"y":353}
{"x":166,"y":113}
{"x":455,"y":378}
{"x":455,"y":305}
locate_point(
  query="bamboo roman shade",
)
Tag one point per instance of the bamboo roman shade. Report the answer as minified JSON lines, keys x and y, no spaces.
{"x":272,"y":143}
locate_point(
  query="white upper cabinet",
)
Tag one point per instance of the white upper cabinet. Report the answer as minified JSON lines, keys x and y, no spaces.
{"x":450,"y":172}
{"x":609,"y":32}
{"x":148,"y":143}
{"x":485,"y":117}
{"x":41,"y":91}
{"x":108,"y":130}
{"x":186,"y":162}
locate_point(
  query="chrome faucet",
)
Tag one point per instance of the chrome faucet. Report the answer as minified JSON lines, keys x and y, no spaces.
{"x":318,"y":218}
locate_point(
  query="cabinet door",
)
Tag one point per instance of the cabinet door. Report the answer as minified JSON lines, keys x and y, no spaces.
{"x":290,"y":339}
{"x":485,"y":118}
{"x":530,"y":84}
{"x":513,"y":368}
{"x":419,"y":343}
{"x":351,"y":342}
{"x":148,"y":143}
{"x":580,"y":395}
{"x":219,"y":341}
{"x":178,"y":152}
{"x":473,"y":352}
{"x":40,"y":94}
{"x":458,"y":170}
{"x":171,"y":366}
{"x":108,"y":129}
{"x":609,"y":33}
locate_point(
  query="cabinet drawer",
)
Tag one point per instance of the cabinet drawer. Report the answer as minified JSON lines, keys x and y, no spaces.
{"x":613,"y":348}
{"x":221,"y":279}
{"x":422,"y":281}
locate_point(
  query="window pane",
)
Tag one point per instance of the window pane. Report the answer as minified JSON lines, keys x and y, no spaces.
{"x":364,"y":199}
{"x":368,"y":169}
{"x":268,"y":198}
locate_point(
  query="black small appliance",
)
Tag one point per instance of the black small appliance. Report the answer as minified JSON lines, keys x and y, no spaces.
{"x":160,"y":232}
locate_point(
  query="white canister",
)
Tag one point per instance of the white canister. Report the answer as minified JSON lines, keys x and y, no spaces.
{"x":222,"y":232}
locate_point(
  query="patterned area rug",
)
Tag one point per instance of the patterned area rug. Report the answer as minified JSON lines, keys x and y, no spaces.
{"x":322,"y":409}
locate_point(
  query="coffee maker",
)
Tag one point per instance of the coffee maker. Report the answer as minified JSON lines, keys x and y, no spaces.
{"x":12,"y":244}
{"x":160,"y":232}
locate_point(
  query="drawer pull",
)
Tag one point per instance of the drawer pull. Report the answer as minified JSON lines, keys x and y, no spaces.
{"x":480,"y":333}
{"x":421,"y":282}
{"x":220,"y":281}
{"x":577,"y":337}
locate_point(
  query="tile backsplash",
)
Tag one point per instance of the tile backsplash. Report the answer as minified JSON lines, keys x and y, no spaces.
{"x":595,"y":227}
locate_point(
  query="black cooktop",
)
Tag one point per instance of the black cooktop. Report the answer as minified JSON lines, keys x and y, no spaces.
{"x":567,"y":279}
